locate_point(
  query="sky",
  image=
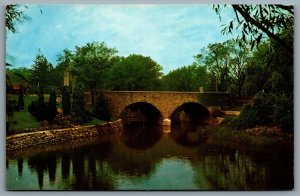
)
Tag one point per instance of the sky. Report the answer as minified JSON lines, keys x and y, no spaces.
{"x":171,"y":34}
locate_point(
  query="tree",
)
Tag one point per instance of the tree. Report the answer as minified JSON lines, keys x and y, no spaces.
{"x":52,"y":109}
{"x":14,"y":15}
{"x":78,"y":112}
{"x":259,"y":21}
{"x":257,"y":69}
{"x":64,"y":67}
{"x":187,"y":78}
{"x":101,"y":110}
{"x":216,"y":58}
{"x":41,"y":72}
{"x":66,"y":102}
{"x":135,"y":72}
{"x":238,"y":64}
{"x":91,"y":63}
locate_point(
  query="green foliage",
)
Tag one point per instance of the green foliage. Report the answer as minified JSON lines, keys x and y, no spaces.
{"x":41,"y":72}
{"x":78,"y":112}
{"x":187,"y":78}
{"x":284,"y":113}
{"x":18,"y":75}
{"x":214,"y":99}
{"x":91,"y":63}
{"x":14,"y":14}
{"x":135,"y":72}
{"x":38,"y":110}
{"x":52,"y":109}
{"x":225,"y":64}
{"x":41,"y":110}
{"x":257,"y":21}
{"x":216,"y":57}
{"x":101,"y":110}
{"x":259,"y":112}
{"x":66,"y":100}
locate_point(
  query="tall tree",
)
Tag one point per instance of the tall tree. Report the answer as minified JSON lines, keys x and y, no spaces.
{"x":91,"y":62}
{"x":41,"y":72}
{"x":135,"y":72}
{"x":187,"y":78}
{"x":65,"y":65}
{"x":239,"y":60}
{"x":259,"y":21}
{"x":216,"y":57}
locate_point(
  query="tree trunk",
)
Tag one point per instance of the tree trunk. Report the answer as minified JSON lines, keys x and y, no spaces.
{"x":240,"y":90}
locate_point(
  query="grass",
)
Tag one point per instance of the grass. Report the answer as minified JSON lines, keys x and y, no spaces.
{"x":225,"y":133}
{"x":23,"y":120}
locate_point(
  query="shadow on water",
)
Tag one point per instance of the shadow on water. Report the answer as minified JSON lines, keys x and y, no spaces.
{"x":188,"y":124}
{"x":140,"y":135}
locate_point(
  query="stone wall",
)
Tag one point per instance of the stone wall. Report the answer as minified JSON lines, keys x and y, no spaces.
{"x":165,"y":101}
{"x":24,"y":140}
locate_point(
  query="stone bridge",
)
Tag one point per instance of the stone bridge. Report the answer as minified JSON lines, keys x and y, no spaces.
{"x":166,"y":102}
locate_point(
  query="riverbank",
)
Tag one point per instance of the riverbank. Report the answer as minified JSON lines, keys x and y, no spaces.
{"x":262,"y":135}
{"x":19,"y":141}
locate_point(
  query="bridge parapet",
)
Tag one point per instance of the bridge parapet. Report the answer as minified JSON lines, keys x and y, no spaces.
{"x":165,"y":101}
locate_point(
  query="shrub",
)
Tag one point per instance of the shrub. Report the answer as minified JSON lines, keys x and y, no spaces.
{"x":79,"y":113}
{"x":38,"y":110}
{"x":231,"y":122}
{"x":52,"y":110}
{"x":284,"y":113}
{"x":259,"y":112}
{"x":66,"y":102}
{"x":42,"y":110}
{"x":101,"y":110}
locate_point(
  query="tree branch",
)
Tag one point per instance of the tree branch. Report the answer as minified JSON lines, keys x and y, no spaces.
{"x":252,"y":21}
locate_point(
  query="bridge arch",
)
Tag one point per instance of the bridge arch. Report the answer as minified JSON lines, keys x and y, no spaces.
{"x":140,"y":112}
{"x":192,"y":111}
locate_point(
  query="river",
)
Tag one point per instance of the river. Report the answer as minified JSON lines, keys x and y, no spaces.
{"x":148,"y":158}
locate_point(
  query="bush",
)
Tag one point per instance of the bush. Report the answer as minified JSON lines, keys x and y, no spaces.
{"x":259,"y":112}
{"x":78,"y":113}
{"x":42,"y":110}
{"x":284,"y":113}
{"x":231,"y":122}
{"x":38,"y":110}
{"x":101,"y":110}
{"x":52,"y":109}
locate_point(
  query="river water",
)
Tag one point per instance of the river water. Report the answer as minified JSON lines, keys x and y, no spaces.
{"x":148,"y":158}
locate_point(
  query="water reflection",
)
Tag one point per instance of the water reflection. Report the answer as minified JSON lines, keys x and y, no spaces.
{"x":188,"y":134}
{"x":164,"y":162}
{"x":141,"y":135}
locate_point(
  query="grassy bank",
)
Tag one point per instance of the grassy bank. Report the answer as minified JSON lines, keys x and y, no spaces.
{"x":256,"y":136}
{"x":23,"y":121}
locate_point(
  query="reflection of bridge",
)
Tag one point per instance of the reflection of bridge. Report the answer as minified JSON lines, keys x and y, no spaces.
{"x":165,"y":102}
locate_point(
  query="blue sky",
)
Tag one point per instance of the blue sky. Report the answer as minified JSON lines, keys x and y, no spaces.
{"x":170,"y":34}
